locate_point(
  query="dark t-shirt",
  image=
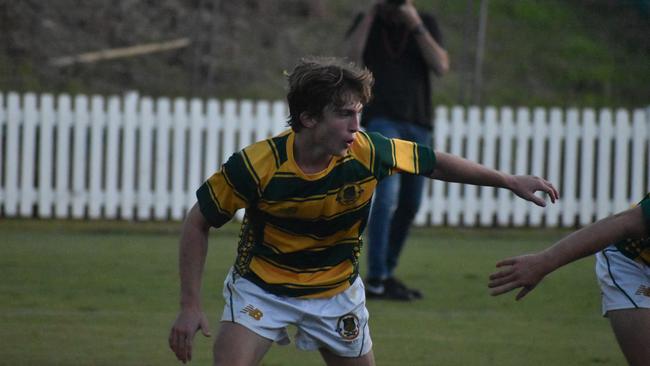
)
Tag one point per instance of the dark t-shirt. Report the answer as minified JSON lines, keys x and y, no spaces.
{"x":402,"y":88}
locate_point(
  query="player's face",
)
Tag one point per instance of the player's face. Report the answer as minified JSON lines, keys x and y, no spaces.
{"x":338,"y":126}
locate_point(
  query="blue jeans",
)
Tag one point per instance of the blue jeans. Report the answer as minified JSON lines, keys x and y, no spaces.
{"x":397,"y":200}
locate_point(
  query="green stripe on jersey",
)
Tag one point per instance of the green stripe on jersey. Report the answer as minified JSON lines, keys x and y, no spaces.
{"x":295,"y":290}
{"x":285,"y":187}
{"x":241,"y":179}
{"x":320,"y":228}
{"x":310,"y":260}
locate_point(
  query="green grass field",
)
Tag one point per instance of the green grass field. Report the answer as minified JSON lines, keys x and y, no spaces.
{"x":101,"y":293}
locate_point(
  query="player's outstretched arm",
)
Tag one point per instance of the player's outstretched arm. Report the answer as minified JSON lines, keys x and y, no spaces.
{"x":526,"y":271}
{"x":192,"y":252}
{"x":453,"y":168}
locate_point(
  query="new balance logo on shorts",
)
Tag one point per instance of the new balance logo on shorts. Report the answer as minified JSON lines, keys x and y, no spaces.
{"x":254,"y":312}
{"x":643,"y":290}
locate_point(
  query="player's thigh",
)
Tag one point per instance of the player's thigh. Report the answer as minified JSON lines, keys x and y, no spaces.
{"x":333,"y":360}
{"x":632,"y":330}
{"x":236,"y":345}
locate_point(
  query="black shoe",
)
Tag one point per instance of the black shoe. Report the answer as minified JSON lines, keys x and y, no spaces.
{"x":393,"y":282}
{"x":378,"y":289}
{"x":374,"y":288}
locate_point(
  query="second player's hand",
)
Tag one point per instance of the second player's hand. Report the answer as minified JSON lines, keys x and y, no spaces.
{"x":181,"y":336}
{"x":525,"y":187}
{"x":523,"y":272}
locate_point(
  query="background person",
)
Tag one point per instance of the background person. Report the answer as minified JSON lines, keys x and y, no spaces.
{"x":401,"y":47}
{"x":622,"y":268}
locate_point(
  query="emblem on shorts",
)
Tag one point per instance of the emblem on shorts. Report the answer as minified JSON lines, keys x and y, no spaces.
{"x":348,"y":326}
{"x":349,"y":194}
{"x":643,"y":290}
{"x":253,"y":312}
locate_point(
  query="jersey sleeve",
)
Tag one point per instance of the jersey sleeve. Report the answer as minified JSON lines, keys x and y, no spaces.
{"x":390,"y":156}
{"x":231,"y":188}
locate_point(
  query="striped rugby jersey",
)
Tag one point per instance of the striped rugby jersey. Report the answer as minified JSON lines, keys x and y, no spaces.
{"x":301,"y":234}
{"x":639,"y":249}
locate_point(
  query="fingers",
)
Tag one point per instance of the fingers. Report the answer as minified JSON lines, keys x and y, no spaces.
{"x":504,"y":288}
{"x":524,"y":291}
{"x":506,"y":262}
{"x":501,"y":274}
{"x":205,"y":327}
{"x":180,"y":343}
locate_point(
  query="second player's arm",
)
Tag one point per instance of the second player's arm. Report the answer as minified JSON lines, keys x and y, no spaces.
{"x":453,"y":168}
{"x":526,"y":271}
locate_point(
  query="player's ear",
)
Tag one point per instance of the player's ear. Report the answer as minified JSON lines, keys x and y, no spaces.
{"x":307,"y":120}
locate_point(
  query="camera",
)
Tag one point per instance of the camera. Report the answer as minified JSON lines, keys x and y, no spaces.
{"x":396,"y":2}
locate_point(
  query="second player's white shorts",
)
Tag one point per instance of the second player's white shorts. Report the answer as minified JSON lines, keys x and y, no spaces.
{"x":624,"y":283}
{"x":338,"y":323}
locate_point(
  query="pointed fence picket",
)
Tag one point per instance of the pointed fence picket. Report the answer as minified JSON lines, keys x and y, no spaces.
{"x":136,"y":158}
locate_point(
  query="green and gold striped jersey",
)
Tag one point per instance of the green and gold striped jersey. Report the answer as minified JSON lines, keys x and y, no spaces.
{"x":638,"y":249}
{"x":301,"y":233}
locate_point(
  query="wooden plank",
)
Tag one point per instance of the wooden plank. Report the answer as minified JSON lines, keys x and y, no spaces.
{"x":28,"y":156}
{"x":179,"y":129}
{"x":97,"y":127}
{"x":162,"y":160}
{"x":64,"y":119}
{"x":523,"y":132}
{"x":605,"y":136}
{"x":113,"y":142}
{"x":572,"y":131}
{"x":639,"y":139}
{"x":538,"y":162}
{"x":245,"y":124}
{"x":471,"y":200}
{"x":504,"y":196}
{"x":454,"y":203}
{"x":127,"y":202}
{"x":488,"y":200}
{"x":622,"y":199}
{"x":279,"y":117}
{"x":555,"y":140}
{"x":196,"y":127}
{"x":46,"y":155}
{"x":80,"y":156}
{"x":145,"y":174}
{"x":262,"y":124}
{"x":230,"y":121}
{"x":587,"y":165}
{"x":213,"y":128}
{"x":441,"y":128}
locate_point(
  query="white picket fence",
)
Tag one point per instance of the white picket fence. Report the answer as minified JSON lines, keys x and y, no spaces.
{"x":134,"y":158}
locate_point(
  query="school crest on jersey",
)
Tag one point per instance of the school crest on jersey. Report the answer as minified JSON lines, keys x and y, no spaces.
{"x":349,"y":194}
{"x":348,"y":326}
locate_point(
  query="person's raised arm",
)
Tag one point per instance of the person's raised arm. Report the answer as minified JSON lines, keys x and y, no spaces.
{"x":453,"y":168}
{"x":358,"y":36}
{"x":192,"y":253}
{"x":433,"y":53}
{"x":526,"y":271}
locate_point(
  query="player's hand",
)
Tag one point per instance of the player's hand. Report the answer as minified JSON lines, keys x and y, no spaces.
{"x":525,"y":187}
{"x":523,"y":272}
{"x":181,"y":336}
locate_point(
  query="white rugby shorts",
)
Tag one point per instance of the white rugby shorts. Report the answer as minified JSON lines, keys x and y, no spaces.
{"x":338,"y":323}
{"x":624,"y":283}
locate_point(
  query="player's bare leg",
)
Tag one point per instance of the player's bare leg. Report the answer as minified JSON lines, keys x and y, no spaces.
{"x":236,"y":345}
{"x":632,"y":330}
{"x":333,"y":360}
